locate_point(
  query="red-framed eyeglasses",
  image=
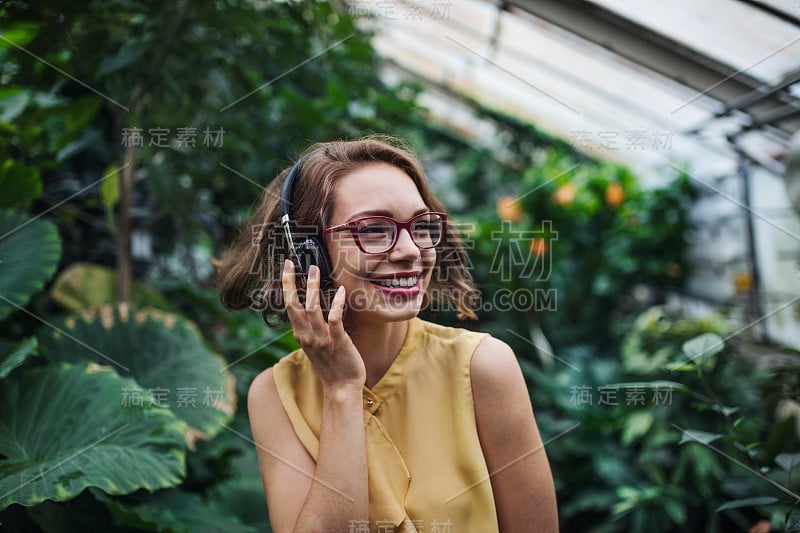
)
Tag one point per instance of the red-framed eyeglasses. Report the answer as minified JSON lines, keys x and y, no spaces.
{"x":378,"y":234}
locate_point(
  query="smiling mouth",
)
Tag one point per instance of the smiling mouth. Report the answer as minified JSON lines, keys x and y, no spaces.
{"x":397,"y":283}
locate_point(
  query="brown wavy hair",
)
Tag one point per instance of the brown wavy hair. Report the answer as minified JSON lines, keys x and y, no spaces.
{"x":249,"y":272}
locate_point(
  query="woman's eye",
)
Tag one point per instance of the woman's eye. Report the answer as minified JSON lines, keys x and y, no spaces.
{"x":372,"y":230}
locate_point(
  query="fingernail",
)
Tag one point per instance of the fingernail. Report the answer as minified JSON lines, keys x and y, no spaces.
{"x":312,"y":272}
{"x":287,"y":264}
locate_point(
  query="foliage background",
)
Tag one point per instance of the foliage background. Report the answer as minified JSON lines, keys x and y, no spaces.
{"x":86,"y":436}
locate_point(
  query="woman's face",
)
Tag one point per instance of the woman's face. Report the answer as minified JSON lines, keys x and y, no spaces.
{"x":379,"y":189}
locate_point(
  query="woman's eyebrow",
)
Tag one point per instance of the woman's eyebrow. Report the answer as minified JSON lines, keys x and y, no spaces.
{"x":383,"y":212}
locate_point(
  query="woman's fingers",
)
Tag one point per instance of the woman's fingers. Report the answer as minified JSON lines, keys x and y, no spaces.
{"x":291,"y":299}
{"x":327,"y":344}
{"x":338,"y":334}
{"x":313,"y":310}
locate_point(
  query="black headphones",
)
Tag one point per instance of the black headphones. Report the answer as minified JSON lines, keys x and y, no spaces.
{"x":311,"y":251}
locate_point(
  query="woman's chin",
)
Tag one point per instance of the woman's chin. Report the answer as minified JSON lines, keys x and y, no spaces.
{"x":384,"y":307}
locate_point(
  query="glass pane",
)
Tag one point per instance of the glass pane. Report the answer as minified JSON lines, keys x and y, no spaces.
{"x":376,"y":234}
{"x":427,"y":230}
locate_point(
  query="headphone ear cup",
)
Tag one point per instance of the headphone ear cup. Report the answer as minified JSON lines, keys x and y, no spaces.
{"x":310,"y":252}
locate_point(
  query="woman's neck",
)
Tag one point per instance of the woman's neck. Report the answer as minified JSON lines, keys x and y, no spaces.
{"x":378,"y":343}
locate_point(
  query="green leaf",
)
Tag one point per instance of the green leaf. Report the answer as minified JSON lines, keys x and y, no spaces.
{"x":695,"y":435}
{"x":180,"y":510}
{"x":705,"y":463}
{"x":676,"y":510}
{"x":241,"y":496}
{"x":84,"y":513}
{"x":84,"y":285}
{"x":657,"y":384}
{"x":748,"y":502}
{"x":126,"y":55}
{"x":162,"y":351}
{"x":19,"y":34}
{"x":725,"y":410}
{"x":80,"y":112}
{"x":29,"y":253}
{"x":13,"y":355}
{"x":69,"y":148}
{"x":20,"y":184}
{"x":696,"y":351}
{"x":703,"y":347}
{"x":63,"y":429}
{"x":680,"y":366}
{"x":788,"y":461}
{"x":13,"y":101}
{"x":636,"y":425}
{"x":109,"y":188}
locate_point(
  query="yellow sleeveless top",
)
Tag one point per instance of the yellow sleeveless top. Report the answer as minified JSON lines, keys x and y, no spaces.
{"x":426,"y":467}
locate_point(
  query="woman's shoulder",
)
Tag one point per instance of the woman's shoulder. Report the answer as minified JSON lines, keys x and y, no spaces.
{"x":265,"y":383}
{"x":262,"y":388}
{"x":494,"y":365}
{"x":440,"y":331}
{"x":291,"y":371}
{"x":485,"y":355}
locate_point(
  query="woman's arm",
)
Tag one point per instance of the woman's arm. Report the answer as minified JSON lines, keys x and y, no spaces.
{"x":522,"y":483}
{"x":301,"y":495}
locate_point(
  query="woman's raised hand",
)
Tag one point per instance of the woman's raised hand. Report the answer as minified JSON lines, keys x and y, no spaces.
{"x":327,"y":344}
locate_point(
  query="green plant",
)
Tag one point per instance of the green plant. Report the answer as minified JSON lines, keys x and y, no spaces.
{"x":674,"y":434}
{"x":168,"y":367}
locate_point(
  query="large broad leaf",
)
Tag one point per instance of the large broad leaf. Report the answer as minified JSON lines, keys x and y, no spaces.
{"x":174,"y":511}
{"x":162,"y":351}
{"x":84,"y":285}
{"x":29,"y":252}
{"x":748,"y":502}
{"x":64,"y":428}
{"x":13,"y":355}
{"x":84,"y":513}
{"x":242,"y":495}
{"x":20,"y":184}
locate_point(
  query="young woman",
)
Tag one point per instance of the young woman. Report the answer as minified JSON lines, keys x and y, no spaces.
{"x":381,"y":421}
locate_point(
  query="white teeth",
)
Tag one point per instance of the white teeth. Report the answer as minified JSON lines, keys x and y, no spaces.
{"x":401,"y":282}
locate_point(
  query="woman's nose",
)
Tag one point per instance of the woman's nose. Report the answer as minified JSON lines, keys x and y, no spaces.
{"x":404,"y":248}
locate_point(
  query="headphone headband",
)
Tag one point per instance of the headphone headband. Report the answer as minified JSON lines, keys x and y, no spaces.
{"x":310,"y":251}
{"x":288,"y":185}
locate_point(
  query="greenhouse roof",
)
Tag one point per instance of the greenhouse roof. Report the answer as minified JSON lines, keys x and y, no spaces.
{"x":649,"y":83}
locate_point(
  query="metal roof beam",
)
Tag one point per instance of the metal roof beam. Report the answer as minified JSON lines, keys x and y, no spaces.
{"x":782,"y":15}
{"x":658,"y":53}
{"x":759,"y":95}
{"x":781,"y":114}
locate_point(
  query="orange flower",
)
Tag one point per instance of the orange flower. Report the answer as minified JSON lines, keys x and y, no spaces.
{"x":509,"y":208}
{"x":565,"y":194}
{"x":539,"y":246}
{"x":742,"y":281}
{"x":762,"y":526}
{"x":673,"y":270}
{"x":615,"y":194}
